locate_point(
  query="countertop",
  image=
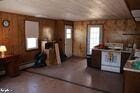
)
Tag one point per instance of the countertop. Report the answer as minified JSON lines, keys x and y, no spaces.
{"x":113,"y":50}
{"x":128,"y":66}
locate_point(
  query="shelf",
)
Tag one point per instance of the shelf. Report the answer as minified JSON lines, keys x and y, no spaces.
{"x":132,"y":34}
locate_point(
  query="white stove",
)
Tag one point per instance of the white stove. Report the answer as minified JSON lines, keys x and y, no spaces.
{"x":111,"y":59}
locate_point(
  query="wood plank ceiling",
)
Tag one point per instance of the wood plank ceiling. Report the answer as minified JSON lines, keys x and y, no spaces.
{"x":68,"y":9}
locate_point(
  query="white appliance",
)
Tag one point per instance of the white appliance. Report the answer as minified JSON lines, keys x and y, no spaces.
{"x":115,"y":46}
{"x":111,"y":61}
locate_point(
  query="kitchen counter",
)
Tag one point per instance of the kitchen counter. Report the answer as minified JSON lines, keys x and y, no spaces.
{"x":128,"y":65}
{"x":113,"y":50}
{"x":131,"y":77}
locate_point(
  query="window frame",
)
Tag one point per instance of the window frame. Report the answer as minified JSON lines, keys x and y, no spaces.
{"x":68,"y":27}
{"x":31,"y":49}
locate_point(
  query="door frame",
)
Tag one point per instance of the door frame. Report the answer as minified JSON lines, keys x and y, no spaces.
{"x":72,"y":35}
{"x":87,"y":31}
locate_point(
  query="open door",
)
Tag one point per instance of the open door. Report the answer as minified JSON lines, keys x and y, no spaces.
{"x":68,"y":40}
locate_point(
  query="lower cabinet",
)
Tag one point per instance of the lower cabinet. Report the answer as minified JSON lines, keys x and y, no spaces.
{"x":131,"y":82}
{"x":96,"y":59}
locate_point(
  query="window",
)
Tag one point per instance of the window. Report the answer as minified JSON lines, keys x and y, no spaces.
{"x":31,"y":34}
{"x":32,"y":43}
{"x":94,"y":37}
{"x":68,"y":33}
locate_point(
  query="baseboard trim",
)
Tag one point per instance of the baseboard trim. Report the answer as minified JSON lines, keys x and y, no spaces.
{"x":26,"y":65}
{"x":79,"y":57}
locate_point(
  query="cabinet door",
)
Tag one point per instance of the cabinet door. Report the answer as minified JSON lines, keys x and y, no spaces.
{"x":131,"y":82}
{"x":96,"y":59}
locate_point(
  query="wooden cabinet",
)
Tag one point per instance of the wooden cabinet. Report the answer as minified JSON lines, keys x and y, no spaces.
{"x":96,"y":59}
{"x":10,"y":64}
{"x":131,"y":82}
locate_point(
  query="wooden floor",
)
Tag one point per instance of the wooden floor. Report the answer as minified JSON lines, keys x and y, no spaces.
{"x":72,"y":76}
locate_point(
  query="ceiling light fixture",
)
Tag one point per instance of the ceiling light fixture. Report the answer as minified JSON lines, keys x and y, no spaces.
{"x":41,"y":16}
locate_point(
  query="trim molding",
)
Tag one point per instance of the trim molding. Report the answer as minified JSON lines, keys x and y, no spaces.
{"x":26,"y":65}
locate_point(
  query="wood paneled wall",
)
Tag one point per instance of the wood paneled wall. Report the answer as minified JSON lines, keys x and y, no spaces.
{"x":60,"y":33}
{"x":47,"y":28}
{"x":14,"y":39}
{"x":113,"y":31}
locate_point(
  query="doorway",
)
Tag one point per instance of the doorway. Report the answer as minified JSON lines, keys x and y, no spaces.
{"x":94,"y":37}
{"x":68,"y":40}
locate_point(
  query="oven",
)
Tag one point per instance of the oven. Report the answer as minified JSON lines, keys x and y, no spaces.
{"x":111,"y":61}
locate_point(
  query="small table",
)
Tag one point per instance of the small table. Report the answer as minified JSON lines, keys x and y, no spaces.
{"x":10,"y":63}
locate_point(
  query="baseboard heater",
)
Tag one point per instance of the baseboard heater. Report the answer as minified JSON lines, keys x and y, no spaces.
{"x":26,"y":65}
